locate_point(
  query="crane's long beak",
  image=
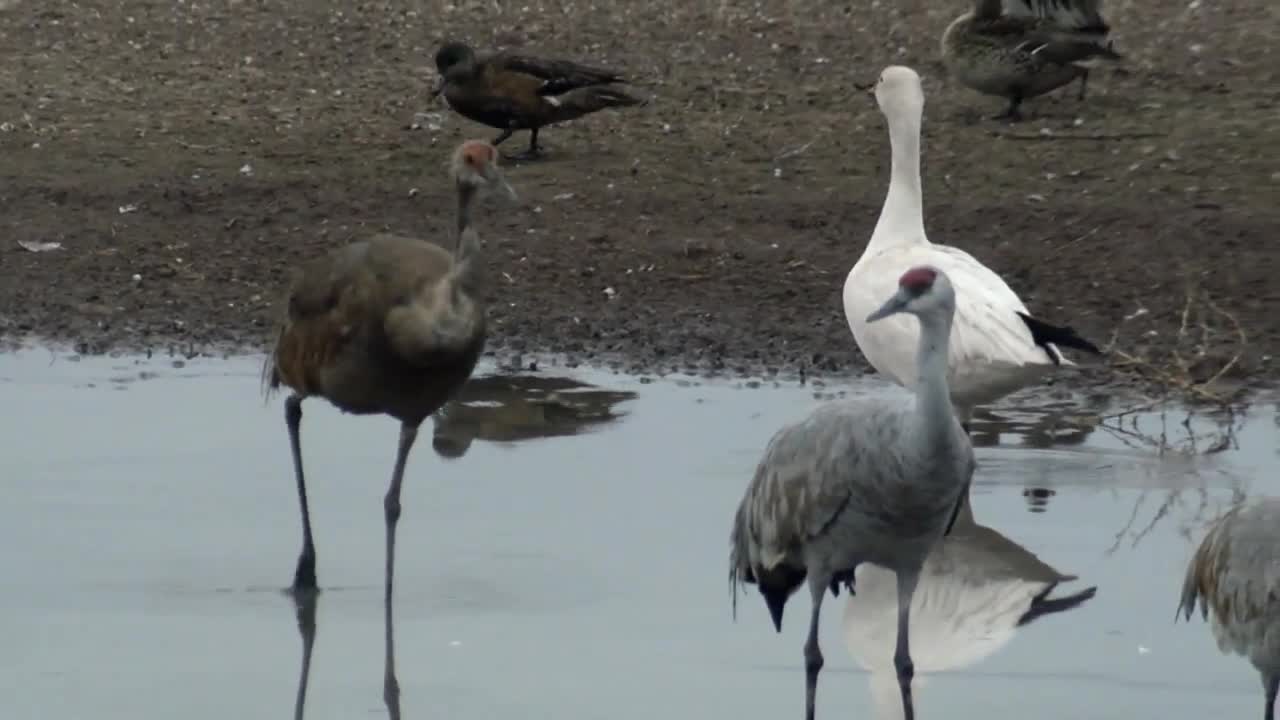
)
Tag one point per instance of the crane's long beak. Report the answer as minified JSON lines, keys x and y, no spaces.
{"x":892,"y":306}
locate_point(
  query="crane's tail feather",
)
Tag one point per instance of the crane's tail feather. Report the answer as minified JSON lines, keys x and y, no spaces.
{"x":1187,"y":601}
{"x":1051,"y":337}
{"x":1198,"y":584}
{"x":739,"y":560}
{"x":270,"y":376}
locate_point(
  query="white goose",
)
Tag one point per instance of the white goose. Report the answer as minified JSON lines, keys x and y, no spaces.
{"x":997,"y":346}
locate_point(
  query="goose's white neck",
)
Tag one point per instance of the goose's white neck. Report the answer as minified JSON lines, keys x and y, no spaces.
{"x":902,"y":217}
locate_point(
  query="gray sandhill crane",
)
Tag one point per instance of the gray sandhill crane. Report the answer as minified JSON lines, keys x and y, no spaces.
{"x":390,"y":325}
{"x":1236,"y":573}
{"x":868,"y":479}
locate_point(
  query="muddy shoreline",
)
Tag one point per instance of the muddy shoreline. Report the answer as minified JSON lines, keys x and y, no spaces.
{"x":186,"y":174}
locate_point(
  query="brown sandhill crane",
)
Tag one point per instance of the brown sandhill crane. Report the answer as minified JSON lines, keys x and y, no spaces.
{"x":390,"y":325}
{"x":1236,"y":573}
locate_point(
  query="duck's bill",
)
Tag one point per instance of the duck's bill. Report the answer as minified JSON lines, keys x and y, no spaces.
{"x":437,"y":87}
{"x":892,"y":306}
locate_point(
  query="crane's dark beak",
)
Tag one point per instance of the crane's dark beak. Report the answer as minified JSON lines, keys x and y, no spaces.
{"x":868,"y":88}
{"x":892,"y":306}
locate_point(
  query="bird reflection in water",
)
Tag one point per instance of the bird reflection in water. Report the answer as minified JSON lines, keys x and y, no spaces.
{"x":977,"y":588}
{"x":1038,"y":428}
{"x":305,"y":604}
{"x":501,"y":409}
{"x":511,"y":408}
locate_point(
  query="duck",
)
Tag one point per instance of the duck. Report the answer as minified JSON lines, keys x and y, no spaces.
{"x":1020,"y":49}
{"x":997,"y":344}
{"x":511,"y":92}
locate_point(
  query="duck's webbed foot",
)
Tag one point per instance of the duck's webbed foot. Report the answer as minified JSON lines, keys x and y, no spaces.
{"x":1013,"y":113}
{"x":1084,"y":84}
{"x":534,"y":152}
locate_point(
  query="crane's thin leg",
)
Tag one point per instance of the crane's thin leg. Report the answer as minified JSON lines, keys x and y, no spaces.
{"x":813,"y":653}
{"x":1270,"y":683}
{"x":502,"y":137}
{"x":305,"y":607}
{"x":391,"y":503}
{"x":390,"y":686}
{"x":902,"y":653}
{"x":1084,"y":84}
{"x":304,"y":577}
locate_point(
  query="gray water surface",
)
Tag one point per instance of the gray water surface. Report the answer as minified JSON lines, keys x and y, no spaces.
{"x":571,"y":562}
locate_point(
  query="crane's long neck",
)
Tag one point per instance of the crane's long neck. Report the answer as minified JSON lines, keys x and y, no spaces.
{"x":902,"y":217}
{"x":466,"y":262}
{"x":933,"y":394}
{"x":466,"y":197}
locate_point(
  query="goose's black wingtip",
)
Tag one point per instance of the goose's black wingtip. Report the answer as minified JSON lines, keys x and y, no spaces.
{"x":1042,"y":605}
{"x":1043,"y":334}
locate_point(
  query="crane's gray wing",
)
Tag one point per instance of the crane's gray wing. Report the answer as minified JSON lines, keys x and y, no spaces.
{"x":809,"y":472}
{"x":1080,"y":15}
{"x":970,"y":464}
{"x":955,"y":512}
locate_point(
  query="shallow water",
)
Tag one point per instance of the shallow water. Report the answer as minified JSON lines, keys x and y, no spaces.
{"x":572,"y":562}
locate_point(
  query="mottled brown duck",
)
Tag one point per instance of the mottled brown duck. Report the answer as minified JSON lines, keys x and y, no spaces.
{"x":513,"y":92}
{"x":1020,"y":49}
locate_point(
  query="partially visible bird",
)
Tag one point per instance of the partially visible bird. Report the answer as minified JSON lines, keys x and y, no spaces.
{"x":1234,"y":576}
{"x":390,"y":325}
{"x":1019,"y":49}
{"x":863,"y":480}
{"x":520,"y":92}
{"x":507,"y":409}
{"x":997,"y":346}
